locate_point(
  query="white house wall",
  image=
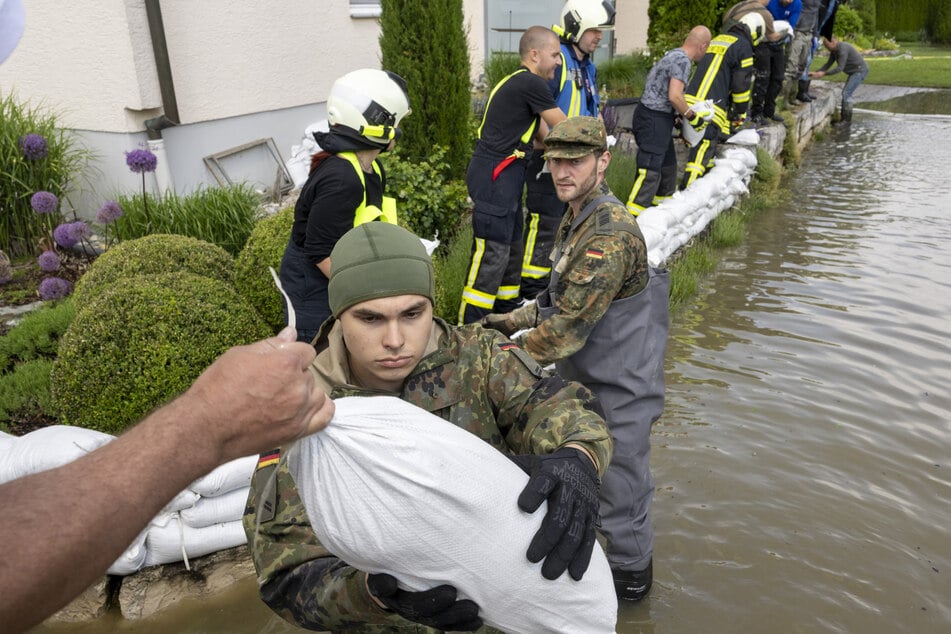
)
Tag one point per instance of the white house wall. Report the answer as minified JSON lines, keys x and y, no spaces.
{"x":630,"y":26}
{"x":241,"y":70}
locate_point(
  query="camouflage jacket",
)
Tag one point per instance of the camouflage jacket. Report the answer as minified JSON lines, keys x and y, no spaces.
{"x":474,"y":378}
{"x":597,"y":267}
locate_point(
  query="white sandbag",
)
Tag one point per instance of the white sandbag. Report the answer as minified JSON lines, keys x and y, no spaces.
{"x":216,"y":510}
{"x":392,"y":488}
{"x":133,"y":558}
{"x":172,"y":541}
{"x":47,"y":448}
{"x":184,"y":499}
{"x":232,"y":475}
{"x":6,"y":440}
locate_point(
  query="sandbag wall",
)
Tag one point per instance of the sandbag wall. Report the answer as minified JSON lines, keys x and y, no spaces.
{"x":202,"y":519}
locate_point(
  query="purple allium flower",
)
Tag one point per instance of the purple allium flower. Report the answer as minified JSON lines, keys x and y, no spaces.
{"x":54,"y":288}
{"x":44,"y":202}
{"x":109,"y":212}
{"x":68,"y":234}
{"x":34,"y":147}
{"x":49,"y":261}
{"x":140,"y":161}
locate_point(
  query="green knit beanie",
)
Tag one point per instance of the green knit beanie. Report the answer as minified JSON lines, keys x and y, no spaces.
{"x":378,"y":259}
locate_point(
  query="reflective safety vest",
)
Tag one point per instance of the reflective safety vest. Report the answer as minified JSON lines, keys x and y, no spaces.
{"x":580,"y":78}
{"x":365,"y":212}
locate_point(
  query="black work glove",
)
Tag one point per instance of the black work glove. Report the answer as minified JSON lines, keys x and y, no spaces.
{"x":436,"y":607}
{"x":569,"y":481}
{"x":502,"y":323}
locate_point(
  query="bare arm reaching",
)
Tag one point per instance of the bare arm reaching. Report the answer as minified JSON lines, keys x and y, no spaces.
{"x":250,"y":399}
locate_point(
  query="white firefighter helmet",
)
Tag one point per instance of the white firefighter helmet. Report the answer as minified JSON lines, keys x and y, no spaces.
{"x":755,"y":23}
{"x":578,"y":16}
{"x":370,"y":102}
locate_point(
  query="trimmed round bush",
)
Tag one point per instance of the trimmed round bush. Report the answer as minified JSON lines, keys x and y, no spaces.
{"x":153,"y":255}
{"x":141,"y":343}
{"x":264,"y":248}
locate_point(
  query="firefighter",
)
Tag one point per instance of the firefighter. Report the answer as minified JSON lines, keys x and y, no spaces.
{"x":723,"y":76}
{"x":520,"y":109}
{"x":575,"y":89}
{"x":344,"y":188}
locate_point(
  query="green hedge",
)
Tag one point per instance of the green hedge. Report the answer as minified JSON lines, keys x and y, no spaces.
{"x":143,"y":342}
{"x":153,"y":255}
{"x":264,"y":248}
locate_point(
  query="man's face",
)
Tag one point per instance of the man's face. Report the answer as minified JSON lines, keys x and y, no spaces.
{"x":576,"y":178}
{"x":589,"y":40}
{"x":386,"y":338}
{"x":549,"y":58}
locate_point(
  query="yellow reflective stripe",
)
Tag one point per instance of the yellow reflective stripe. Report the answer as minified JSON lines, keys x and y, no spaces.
{"x":528,"y":270}
{"x":710,"y":75}
{"x":741,"y":97}
{"x":469,"y":294}
{"x":477,"y":256}
{"x":718,"y":47}
{"x":368,"y":213}
{"x":507,"y":292}
{"x":477,"y":298}
{"x":746,"y":62}
{"x":635,"y":190}
{"x":696,"y":168}
{"x":535,"y":272}
{"x":659,"y":199}
{"x":531,"y":129}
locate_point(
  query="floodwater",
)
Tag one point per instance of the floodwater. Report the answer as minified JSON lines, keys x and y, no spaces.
{"x":803,"y":463}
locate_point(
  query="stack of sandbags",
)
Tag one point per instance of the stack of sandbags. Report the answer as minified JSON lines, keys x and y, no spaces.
{"x":50,"y":447}
{"x":671,"y":224}
{"x":205,"y":517}
{"x":202,"y":519}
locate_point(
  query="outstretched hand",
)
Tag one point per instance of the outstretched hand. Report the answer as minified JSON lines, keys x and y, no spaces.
{"x":259,"y":396}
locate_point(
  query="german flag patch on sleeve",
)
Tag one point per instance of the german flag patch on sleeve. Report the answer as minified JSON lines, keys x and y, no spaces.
{"x":597,"y":254}
{"x":268,"y":458}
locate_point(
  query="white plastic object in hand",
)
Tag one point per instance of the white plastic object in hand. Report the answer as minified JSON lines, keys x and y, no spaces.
{"x":291,"y":316}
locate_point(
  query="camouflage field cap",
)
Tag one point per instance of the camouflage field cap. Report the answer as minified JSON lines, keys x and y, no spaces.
{"x":575,"y":137}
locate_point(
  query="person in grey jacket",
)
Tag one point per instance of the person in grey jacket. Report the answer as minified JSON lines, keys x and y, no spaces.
{"x":848,"y":60}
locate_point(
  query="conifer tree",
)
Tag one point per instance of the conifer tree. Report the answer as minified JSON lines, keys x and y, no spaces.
{"x":425,"y":43}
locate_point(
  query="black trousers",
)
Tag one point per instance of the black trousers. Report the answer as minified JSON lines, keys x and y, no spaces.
{"x":545,"y":212}
{"x":656,"y":159}
{"x":769,"y":62}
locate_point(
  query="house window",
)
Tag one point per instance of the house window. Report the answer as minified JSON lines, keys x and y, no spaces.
{"x":364,"y":8}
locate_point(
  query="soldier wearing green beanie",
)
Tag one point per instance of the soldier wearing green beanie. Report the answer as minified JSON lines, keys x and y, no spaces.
{"x":373,"y":261}
{"x":384,"y":339}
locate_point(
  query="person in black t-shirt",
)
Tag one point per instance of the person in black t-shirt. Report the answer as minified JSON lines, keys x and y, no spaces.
{"x":520,"y":110}
{"x":344,"y":188}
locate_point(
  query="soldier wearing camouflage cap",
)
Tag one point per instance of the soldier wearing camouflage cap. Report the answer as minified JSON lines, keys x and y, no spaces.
{"x":603,"y":322}
{"x":384,"y":339}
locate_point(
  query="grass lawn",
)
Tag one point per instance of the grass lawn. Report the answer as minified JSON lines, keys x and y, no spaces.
{"x":928,"y":67}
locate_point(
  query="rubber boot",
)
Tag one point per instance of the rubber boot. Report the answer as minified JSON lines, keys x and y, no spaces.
{"x":790,"y":89}
{"x":803,"y":94}
{"x":811,"y":96}
{"x":846,"y":114}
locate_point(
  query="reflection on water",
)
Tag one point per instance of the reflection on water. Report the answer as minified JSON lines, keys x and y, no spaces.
{"x":925,"y":102}
{"x":802,"y":463}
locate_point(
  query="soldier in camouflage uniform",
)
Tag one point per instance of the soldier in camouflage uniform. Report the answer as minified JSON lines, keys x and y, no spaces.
{"x":603,"y":322}
{"x":470,"y":376}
